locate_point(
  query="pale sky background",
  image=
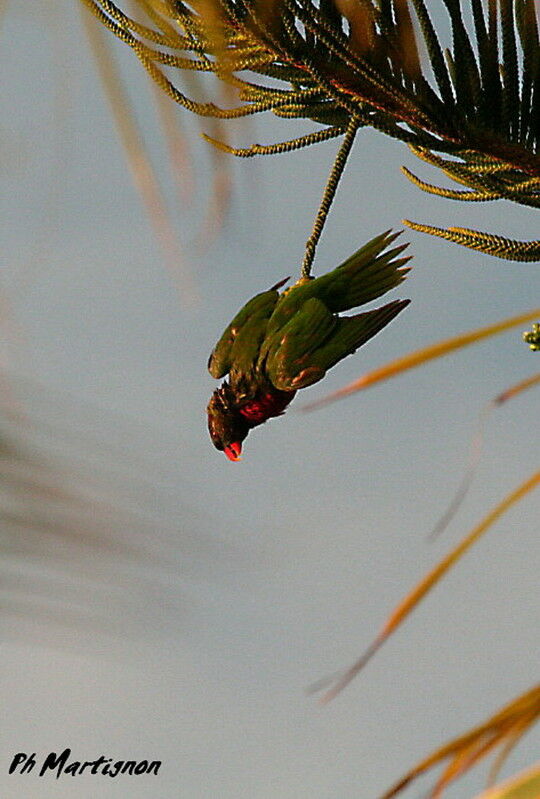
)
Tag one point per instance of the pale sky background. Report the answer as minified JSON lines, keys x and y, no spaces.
{"x":185,"y":623}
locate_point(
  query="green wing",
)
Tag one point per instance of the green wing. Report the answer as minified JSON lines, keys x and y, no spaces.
{"x":363,"y":277}
{"x":254,"y":316}
{"x":310,"y":344}
{"x":245,"y":350}
{"x":290,"y":350}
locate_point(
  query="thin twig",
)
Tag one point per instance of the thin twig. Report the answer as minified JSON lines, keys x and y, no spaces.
{"x":328,"y":196}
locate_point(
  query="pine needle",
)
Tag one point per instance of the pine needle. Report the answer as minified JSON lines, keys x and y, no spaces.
{"x":140,"y":165}
{"x":418,"y":357}
{"x":412,"y":599}
{"x":525,"y":785}
{"x":476,"y":450}
{"x":463,"y":752}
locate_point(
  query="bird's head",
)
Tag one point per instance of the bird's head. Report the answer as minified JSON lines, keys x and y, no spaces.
{"x":227,"y":427}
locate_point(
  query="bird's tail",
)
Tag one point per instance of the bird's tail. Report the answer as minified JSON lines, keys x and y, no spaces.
{"x":367,"y":274}
{"x":350,"y":334}
{"x":356,"y":330}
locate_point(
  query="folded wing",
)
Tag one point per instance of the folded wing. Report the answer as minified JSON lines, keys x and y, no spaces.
{"x":314,"y":340}
{"x":246,"y":330}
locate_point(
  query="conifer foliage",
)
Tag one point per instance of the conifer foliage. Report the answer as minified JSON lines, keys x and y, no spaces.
{"x":471,"y":109}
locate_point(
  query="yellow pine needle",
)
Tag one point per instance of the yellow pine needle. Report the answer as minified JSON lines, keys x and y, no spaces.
{"x":213,"y":30}
{"x":361,"y":19}
{"x":142,"y":171}
{"x":476,"y":450}
{"x":511,"y":741}
{"x":463,"y":762}
{"x":407,"y":40}
{"x":479,"y":195}
{"x":464,"y":751}
{"x":525,"y":785}
{"x":407,"y":605}
{"x":221,"y":190}
{"x":181,"y":164}
{"x":418,"y":357}
{"x":410,"y":602}
{"x":516,"y":389}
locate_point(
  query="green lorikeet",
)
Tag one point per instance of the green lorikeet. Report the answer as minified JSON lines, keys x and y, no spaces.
{"x":279,"y":343}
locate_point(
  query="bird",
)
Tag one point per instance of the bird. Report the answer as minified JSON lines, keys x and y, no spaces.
{"x":279,"y":343}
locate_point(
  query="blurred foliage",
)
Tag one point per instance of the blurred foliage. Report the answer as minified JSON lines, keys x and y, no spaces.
{"x":420,"y":357}
{"x":429,"y":581}
{"x":522,"y":786}
{"x":378,"y":63}
{"x":502,"y":731}
{"x":470,"y":110}
{"x":99,"y":538}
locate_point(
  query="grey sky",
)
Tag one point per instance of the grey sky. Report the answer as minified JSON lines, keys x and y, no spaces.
{"x":274,"y":572}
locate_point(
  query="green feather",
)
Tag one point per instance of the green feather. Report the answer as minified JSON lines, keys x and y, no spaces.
{"x":254,"y":315}
{"x":291,"y":340}
{"x":363,"y":277}
{"x":290,"y":350}
{"x":245,"y":349}
{"x":314,"y":340}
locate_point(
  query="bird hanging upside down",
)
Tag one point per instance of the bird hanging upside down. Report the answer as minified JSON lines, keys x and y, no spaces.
{"x":279,"y":343}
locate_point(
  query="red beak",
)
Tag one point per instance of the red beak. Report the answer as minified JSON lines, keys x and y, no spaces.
{"x":233,"y":451}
